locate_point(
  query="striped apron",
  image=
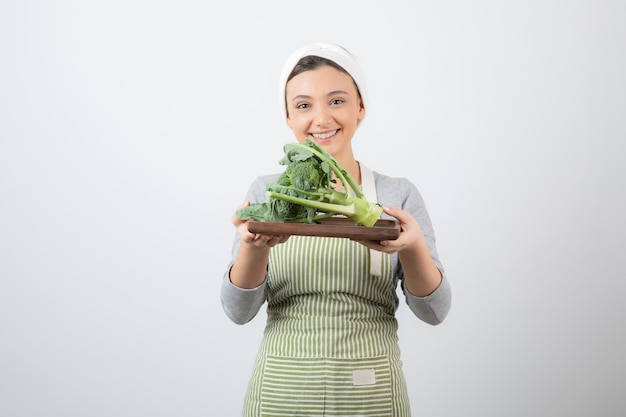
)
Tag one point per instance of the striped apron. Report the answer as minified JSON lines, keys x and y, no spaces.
{"x":330,"y":346}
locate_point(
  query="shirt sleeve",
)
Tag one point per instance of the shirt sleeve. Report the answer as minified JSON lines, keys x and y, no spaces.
{"x":433,"y":308}
{"x":241,"y":305}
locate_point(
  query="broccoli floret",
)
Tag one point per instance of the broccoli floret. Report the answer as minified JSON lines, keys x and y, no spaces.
{"x":305,"y":192}
{"x":299,"y":179}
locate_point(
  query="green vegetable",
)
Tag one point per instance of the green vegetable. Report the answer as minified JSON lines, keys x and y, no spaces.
{"x":304,"y":191}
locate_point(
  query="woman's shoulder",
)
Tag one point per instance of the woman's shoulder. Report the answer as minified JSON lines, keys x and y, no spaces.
{"x":266,"y":179}
{"x":396,"y":191}
{"x":399,"y":183}
{"x":257,"y":192}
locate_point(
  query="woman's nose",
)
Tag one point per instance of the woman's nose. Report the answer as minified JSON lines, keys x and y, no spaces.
{"x":322,"y":116}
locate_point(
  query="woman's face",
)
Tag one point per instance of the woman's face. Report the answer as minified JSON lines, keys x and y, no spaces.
{"x":323,"y":105}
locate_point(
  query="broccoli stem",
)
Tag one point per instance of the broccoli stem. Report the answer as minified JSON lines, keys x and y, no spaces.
{"x":346,"y":179}
{"x":350,"y":202}
{"x":362,"y":212}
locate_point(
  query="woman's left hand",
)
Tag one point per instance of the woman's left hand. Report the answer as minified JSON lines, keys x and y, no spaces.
{"x":410,"y":233}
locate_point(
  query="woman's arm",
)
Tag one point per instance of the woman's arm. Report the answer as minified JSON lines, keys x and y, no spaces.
{"x":426,"y":290}
{"x":420,"y":271}
{"x":243,"y":287}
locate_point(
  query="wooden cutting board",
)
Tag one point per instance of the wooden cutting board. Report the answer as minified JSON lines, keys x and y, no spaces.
{"x":330,"y":227}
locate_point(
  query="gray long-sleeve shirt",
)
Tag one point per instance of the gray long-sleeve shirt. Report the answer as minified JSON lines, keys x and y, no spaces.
{"x":241,"y":305}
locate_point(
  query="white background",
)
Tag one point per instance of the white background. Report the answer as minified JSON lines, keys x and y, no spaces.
{"x":130,"y":130}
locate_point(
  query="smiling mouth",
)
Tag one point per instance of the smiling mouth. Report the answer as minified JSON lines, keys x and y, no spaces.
{"x":323,"y":135}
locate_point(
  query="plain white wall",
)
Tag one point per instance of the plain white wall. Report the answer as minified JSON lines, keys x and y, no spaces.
{"x":130,"y":130}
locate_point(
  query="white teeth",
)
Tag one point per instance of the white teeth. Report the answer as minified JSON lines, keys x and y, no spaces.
{"x":323,"y":135}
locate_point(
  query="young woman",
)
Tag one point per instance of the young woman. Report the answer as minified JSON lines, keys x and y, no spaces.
{"x":330,"y":345}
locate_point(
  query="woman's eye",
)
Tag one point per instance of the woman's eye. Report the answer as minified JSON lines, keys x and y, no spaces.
{"x":302,"y":106}
{"x":337,"y":101}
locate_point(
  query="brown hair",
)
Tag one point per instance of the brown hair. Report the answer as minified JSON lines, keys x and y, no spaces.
{"x":312,"y":62}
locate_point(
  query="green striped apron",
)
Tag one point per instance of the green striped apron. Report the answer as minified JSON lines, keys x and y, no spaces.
{"x":330,"y":347}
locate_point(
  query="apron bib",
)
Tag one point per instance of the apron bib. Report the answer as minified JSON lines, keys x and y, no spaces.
{"x":330,"y":345}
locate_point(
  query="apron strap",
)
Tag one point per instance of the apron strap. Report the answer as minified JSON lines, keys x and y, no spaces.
{"x":368,"y":186}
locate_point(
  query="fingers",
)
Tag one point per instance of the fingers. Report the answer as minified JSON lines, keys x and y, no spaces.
{"x":268,"y":240}
{"x":401,"y":215}
{"x":272,"y":241}
{"x":384,"y":246}
{"x":236,"y":220}
{"x":262,"y":240}
{"x":242,"y":205}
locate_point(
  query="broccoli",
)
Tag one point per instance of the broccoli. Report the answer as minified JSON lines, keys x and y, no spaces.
{"x":304,"y":191}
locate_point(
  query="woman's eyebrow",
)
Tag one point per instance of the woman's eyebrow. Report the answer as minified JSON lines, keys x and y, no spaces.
{"x":332,"y":93}
{"x":300,"y":96}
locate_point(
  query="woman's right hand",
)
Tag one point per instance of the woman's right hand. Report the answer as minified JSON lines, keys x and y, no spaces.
{"x":255,"y":239}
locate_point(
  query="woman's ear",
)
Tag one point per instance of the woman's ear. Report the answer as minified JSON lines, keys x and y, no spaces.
{"x":361,"y":113}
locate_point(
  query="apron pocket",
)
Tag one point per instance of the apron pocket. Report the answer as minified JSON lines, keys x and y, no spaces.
{"x":326,"y":387}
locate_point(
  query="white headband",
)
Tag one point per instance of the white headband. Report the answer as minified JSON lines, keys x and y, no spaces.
{"x":335,"y":53}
